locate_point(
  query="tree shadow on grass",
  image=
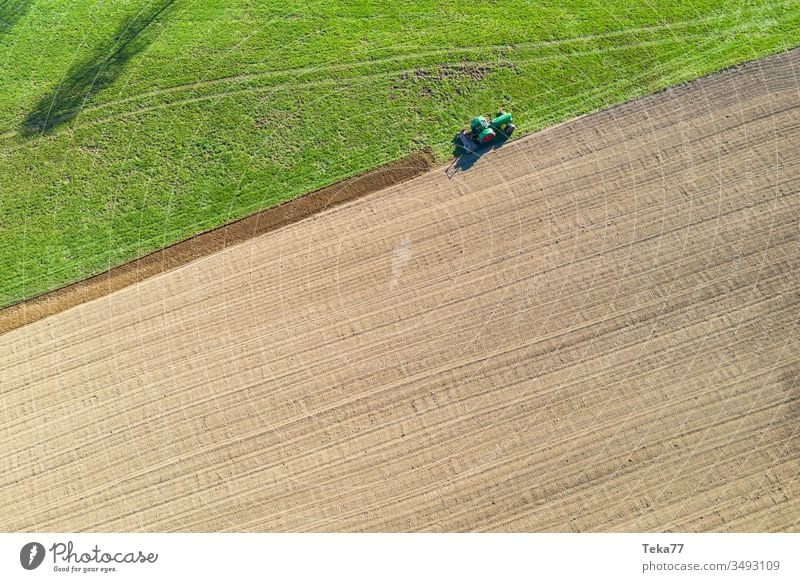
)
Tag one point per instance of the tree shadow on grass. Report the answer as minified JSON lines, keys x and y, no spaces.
{"x":11,"y":11}
{"x":86,"y":78}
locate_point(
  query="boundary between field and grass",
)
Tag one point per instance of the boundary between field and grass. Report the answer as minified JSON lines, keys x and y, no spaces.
{"x":304,"y":206}
{"x":214,"y":240}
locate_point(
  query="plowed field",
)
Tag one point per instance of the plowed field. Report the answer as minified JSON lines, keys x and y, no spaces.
{"x":590,"y":329}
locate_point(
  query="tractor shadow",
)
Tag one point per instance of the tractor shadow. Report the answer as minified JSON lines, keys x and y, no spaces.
{"x":11,"y":11}
{"x":86,"y":78}
{"x":464,"y":160}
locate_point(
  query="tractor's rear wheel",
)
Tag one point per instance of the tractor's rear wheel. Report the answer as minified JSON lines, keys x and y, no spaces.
{"x":486,"y":136}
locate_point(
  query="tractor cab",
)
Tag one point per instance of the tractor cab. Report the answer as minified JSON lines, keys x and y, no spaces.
{"x":481,"y":130}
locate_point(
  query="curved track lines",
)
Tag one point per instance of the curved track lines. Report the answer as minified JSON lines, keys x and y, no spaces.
{"x":593,"y":328}
{"x":278,"y":79}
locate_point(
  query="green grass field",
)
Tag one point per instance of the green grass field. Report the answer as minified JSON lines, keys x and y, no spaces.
{"x":127,"y":125}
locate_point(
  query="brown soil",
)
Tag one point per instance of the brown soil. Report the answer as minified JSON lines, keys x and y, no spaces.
{"x":590,"y":329}
{"x":213,"y":241}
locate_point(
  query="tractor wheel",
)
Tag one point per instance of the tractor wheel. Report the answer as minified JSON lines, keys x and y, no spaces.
{"x":510,"y":129}
{"x":486,"y":136}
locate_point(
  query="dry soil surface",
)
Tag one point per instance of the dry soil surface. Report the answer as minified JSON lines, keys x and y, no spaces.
{"x":212,"y":241}
{"x":593,"y":328}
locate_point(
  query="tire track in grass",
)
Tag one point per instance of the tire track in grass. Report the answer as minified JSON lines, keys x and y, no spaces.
{"x":476,"y":50}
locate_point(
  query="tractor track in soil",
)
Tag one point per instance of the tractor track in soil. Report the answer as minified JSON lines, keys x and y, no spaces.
{"x":590,"y":329}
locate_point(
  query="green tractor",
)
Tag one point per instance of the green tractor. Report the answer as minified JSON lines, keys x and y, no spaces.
{"x":482,"y":132}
